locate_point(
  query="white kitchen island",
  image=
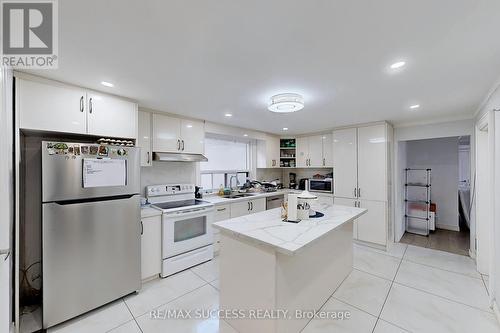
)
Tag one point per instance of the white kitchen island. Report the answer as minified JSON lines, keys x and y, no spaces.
{"x":273,"y":268}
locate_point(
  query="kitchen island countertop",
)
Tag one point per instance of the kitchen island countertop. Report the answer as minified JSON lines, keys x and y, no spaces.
{"x":267,"y":227}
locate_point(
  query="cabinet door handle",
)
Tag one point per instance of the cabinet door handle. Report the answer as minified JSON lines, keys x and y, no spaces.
{"x":359,"y":192}
{"x":221,"y":209}
{"x":248,"y":204}
{"x":142,"y":228}
{"x":324,"y":162}
{"x":147,"y":154}
{"x":355,"y":193}
{"x":182,"y":145}
{"x":90,"y":105}
{"x":81,"y":104}
{"x":178,"y":144}
{"x":251,"y":205}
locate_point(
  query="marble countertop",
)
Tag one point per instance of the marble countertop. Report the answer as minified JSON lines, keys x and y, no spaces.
{"x":267,"y":228}
{"x":217,"y":200}
{"x":147,"y":211}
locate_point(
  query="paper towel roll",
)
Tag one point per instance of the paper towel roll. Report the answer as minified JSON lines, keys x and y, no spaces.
{"x":292,"y":207}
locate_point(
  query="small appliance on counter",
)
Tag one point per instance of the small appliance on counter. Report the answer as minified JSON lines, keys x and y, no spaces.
{"x":324,"y":185}
{"x":292,"y":180}
{"x":303,"y":184}
{"x":304,"y":202}
{"x":197,"y":193}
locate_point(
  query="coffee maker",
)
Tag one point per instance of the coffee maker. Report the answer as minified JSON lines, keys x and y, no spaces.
{"x":292,"y":180}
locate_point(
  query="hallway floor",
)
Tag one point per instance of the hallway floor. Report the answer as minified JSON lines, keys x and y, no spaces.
{"x":444,"y":240}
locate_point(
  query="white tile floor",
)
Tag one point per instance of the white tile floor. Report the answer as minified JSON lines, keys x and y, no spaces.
{"x":408,"y":289}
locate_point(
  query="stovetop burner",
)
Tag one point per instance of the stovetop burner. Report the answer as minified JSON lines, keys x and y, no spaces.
{"x":179,"y":204}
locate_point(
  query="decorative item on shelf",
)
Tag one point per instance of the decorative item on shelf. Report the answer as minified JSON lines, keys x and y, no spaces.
{"x":115,"y":142}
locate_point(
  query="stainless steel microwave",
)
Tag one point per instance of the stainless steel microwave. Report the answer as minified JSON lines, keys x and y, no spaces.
{"x":321,"y":185}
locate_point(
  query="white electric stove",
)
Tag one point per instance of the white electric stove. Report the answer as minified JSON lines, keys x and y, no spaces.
{"x":187,"y":236}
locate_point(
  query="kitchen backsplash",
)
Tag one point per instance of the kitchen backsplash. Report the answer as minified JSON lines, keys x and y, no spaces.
{"x":283,"y":174}
{"x":167,"y":173}
{"x":269,"y":174}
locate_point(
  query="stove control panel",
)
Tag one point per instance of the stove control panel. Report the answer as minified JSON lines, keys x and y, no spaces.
{"x":169,"y":189}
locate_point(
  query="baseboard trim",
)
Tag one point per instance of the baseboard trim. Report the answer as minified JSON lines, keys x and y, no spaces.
{"x":447,"y":227}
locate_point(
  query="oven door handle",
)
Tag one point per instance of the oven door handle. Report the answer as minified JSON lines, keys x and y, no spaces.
{"x":185,"y":213}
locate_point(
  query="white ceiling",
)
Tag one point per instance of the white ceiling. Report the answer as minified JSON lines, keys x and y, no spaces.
{"x":205,"y":58}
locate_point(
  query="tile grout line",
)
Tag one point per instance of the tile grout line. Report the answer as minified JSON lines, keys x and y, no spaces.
{"x":485,"y":286}
{"x":135,"y":320}
{"x":329,"y":298}
{"x":446,"y":270}
{"x":374,"y":275}
{"x":390,"y":288}
{"x":173,"y":299}
{"x":446,"y":298}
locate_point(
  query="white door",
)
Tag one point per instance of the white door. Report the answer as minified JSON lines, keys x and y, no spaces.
{"x":257,"y":205}
{"x":144,"y":138}
{"x":372,"y":163}
{"x":51,"y":107}
{"x":372,"y":226}
{"x":240,"y":208}
{"x":150,"y":246}
{"x":302,"y":152}
{"x":327,"y":150}
{"x":349,"y":203}
{"x":111,"y":116}
{"x":345,"y":163}
{"x":166,"y":134}
{"x":193,"y":136}
{"x":316,"y":151}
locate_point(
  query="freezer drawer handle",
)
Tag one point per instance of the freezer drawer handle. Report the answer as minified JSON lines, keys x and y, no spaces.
{"x":79,"y":201}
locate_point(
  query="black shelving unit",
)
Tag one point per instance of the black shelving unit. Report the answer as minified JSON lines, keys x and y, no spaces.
{"x":418,"y":224}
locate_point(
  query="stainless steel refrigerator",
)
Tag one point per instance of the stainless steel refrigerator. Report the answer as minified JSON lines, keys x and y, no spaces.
{"x":90,"y":227}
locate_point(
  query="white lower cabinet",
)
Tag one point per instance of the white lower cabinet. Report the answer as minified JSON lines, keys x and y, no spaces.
{"x":349,"y":203}
{"x":243,"y":208}
{"x":222,"y":212}
{"x":372,"y":226}
{"x":150,"y":247}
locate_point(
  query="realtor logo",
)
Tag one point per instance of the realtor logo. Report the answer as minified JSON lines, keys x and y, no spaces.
{"x":29,"y":34}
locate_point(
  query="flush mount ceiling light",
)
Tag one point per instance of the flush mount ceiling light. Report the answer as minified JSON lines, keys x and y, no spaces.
{"x":397,"y":65}
{"x":415,"y":106}
{"x":107,"y":84}
{"x":283,"y":103}
{"x":228,"y":115}
{"x":285,"y":128}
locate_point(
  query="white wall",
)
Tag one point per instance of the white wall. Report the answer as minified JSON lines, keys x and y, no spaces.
{"x":400,"y":161}
{"x":432,"y":131}
{"x":440,"y":155}
{"x":168,"y":173}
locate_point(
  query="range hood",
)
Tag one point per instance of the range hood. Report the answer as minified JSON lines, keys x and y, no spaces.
{"x":178,"y":157}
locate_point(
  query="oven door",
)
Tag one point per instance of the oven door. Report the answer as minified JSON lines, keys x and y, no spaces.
{"x":186,"y":230}
{"x":320,"y":186}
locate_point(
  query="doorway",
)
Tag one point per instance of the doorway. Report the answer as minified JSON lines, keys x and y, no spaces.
{"x":444,"y":222}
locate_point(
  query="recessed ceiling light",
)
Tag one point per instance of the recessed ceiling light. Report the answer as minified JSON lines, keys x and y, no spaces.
{"x":286,"y":103}
{"x":285,"y":128}
{"x":189,"y":125}
{"x":228,"y":115}
{"x":245,"y":134}
{"x":415,"y":106}
{"x":398,"y":64}
{"x":107,"y":84}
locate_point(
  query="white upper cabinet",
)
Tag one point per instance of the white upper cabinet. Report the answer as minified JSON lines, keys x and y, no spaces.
{"x":175,"y":135}
{"x":51,"y":107}
{"x":56,"y":107}
{"x":345,"y":162}
{"x":372,"y":163}
{"x":144,"y":138}
{"x":302,"y":152}
{"x":327,"y":150}
{"x":192,"y":136}
{"x":268,"y":152}
{"x":111,"y":116}
{"x":314,"y":151}
{"x":166,"y":134}
{"x":315,"y":144}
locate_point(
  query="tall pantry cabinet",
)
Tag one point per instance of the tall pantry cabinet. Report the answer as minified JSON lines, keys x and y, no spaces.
{"x":362,"y":178}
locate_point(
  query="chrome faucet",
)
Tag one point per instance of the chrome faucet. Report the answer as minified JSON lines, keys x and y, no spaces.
{"x":235,"y":188}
